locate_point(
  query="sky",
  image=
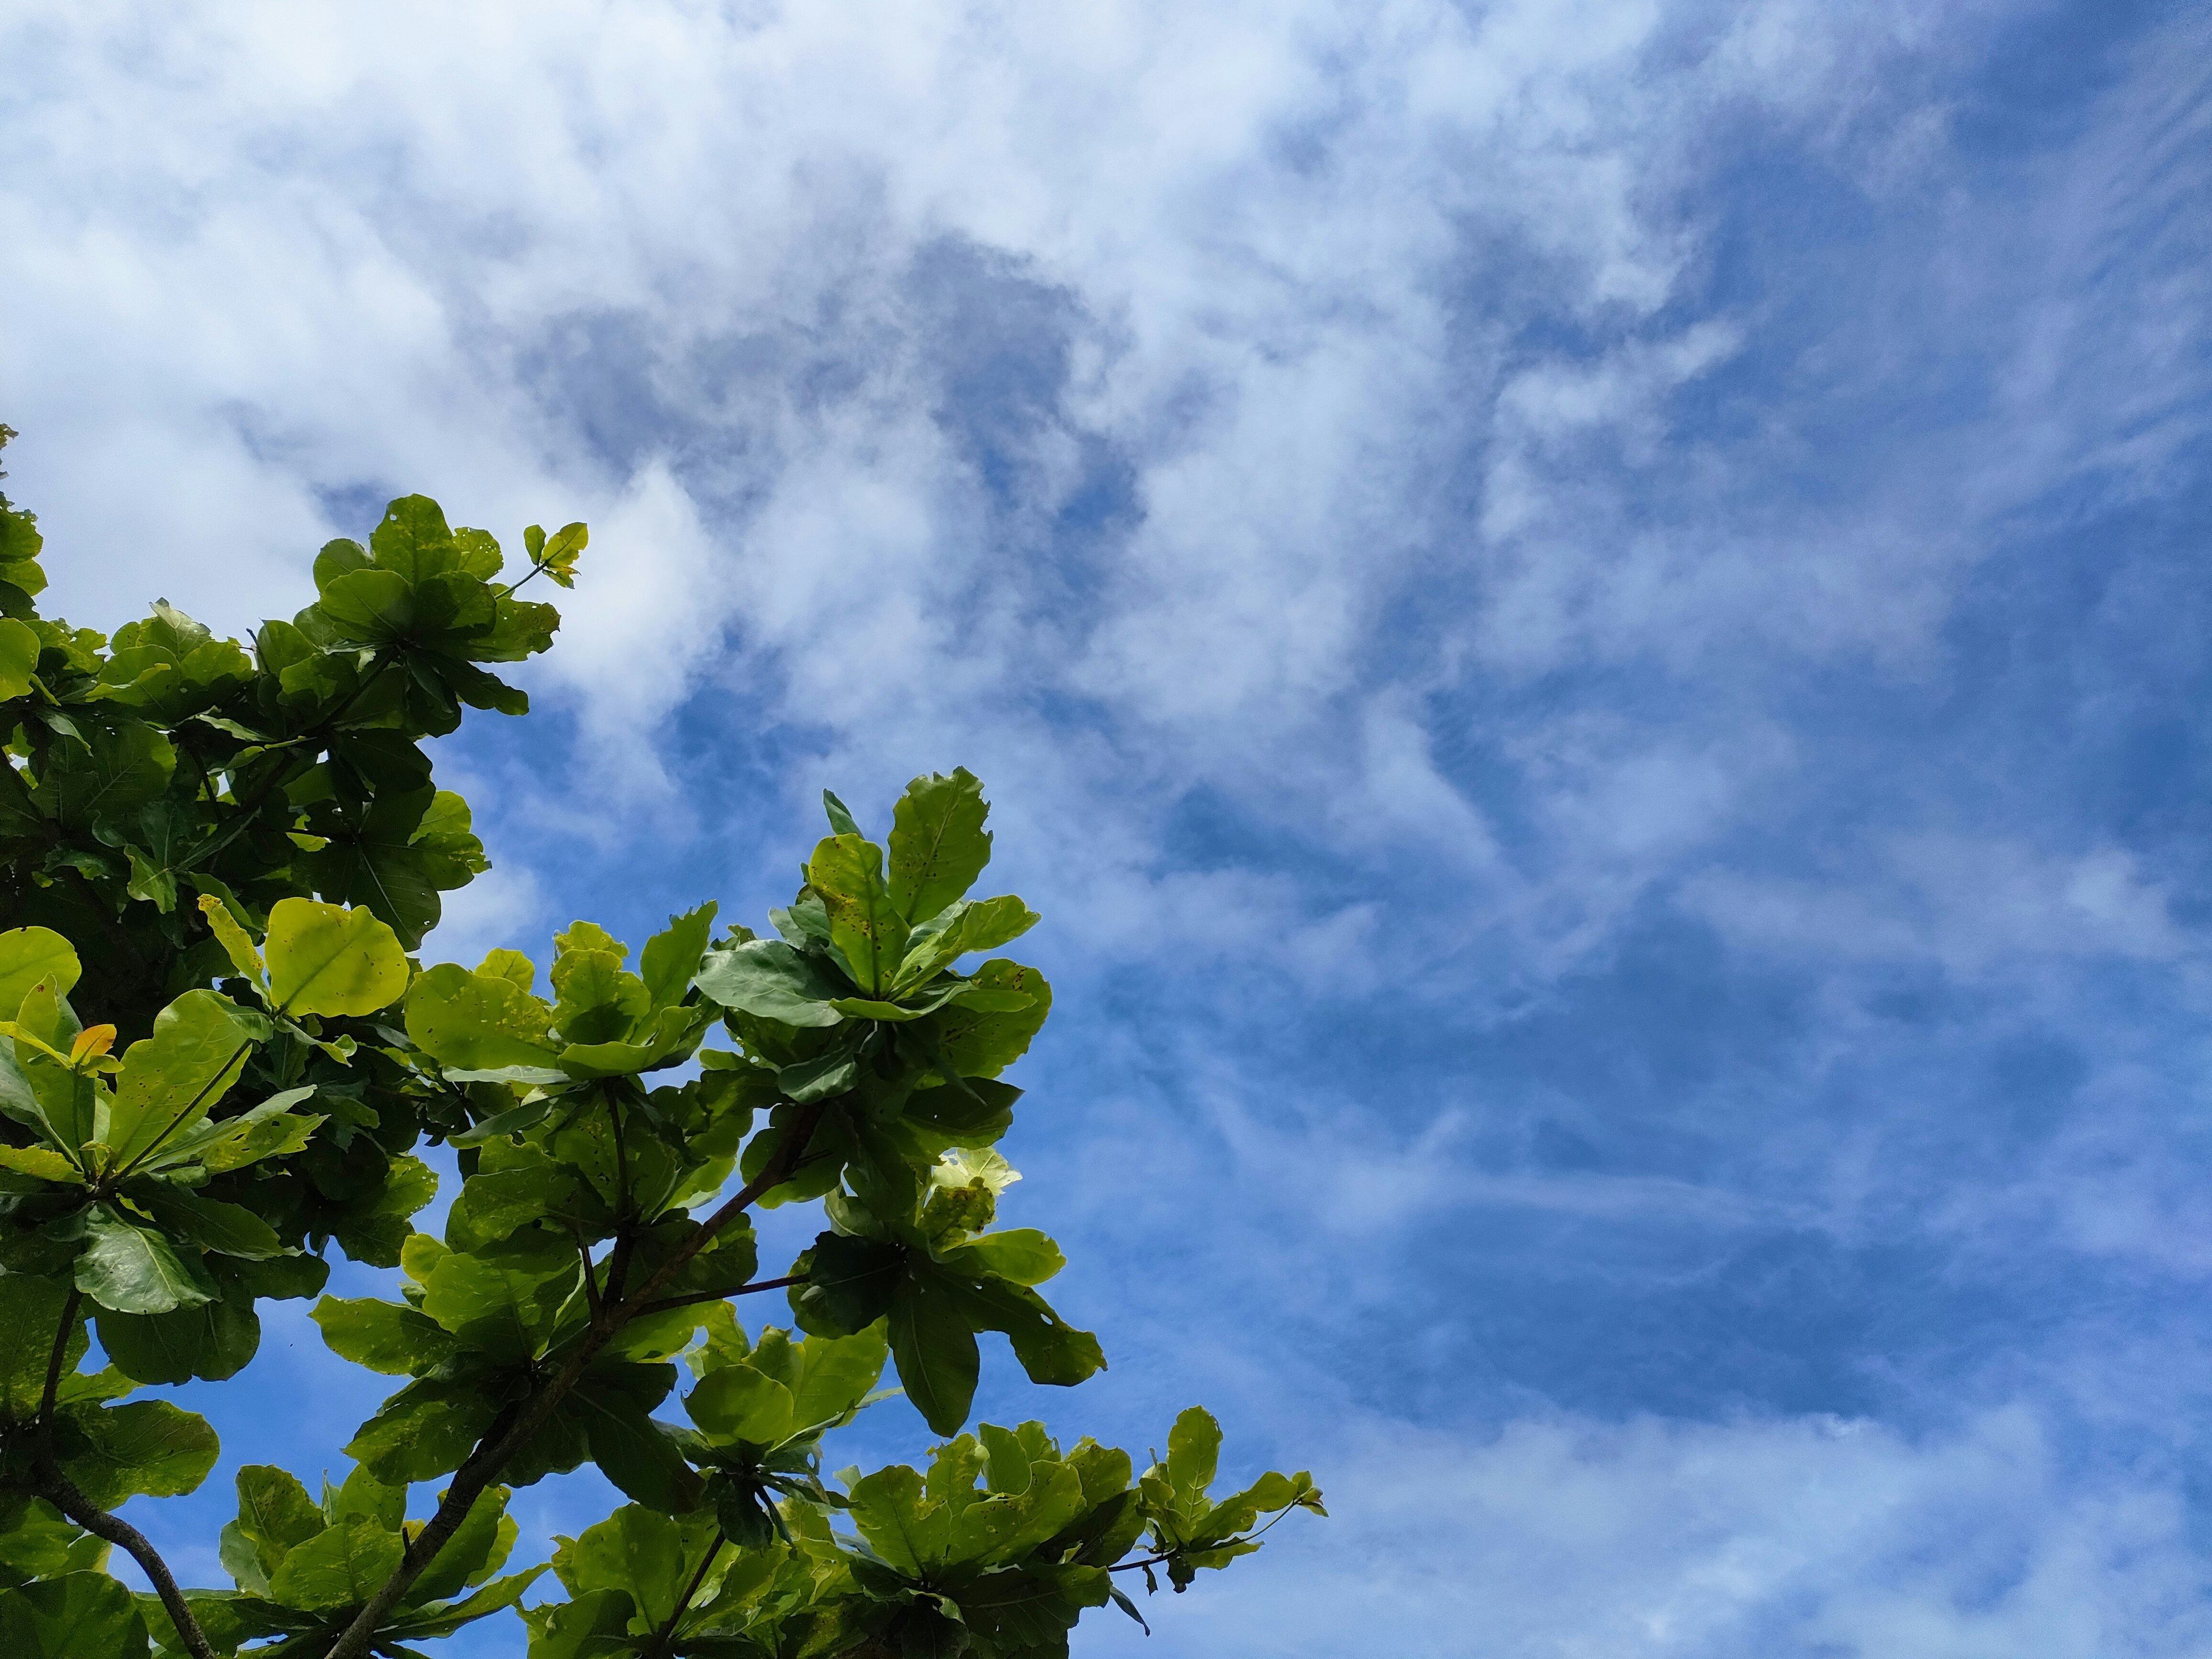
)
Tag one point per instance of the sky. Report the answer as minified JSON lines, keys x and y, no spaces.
{"x":1586,"y":617}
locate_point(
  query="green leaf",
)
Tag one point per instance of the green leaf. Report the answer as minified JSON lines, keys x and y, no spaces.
{"x":976,"y":1042}
{"x":424,"y":1431}
{"x":595,"y":1625}
{"x":629,"y":1448}
{"x":672,"y":957}
{"x":767,"y":979}
{"x":172,"y":1078}
{"x":30,"y":956}
{"x":206,"y":1223}
{"x":362,"y":1497}
{"x":866,"y":929}
{"x":384,"y":1336}
{"x":210,"y":1339}
{"x":268,"y":1130}
{"x":237,"y":944}
{"x":852,"y":1280}
{"x":79,"y":1615}
{"x":834,"y":1375}
{"x":888,"y":1508}
{"x":30,"y":1314}
{"x":118,"y":772}
{"x":495,"y":1597}
{"x":19,"y":658}
{"x":938,"y":845}
{"x":133,"y":1269}
{"x":274,"y":1514}
{"x":325,"y":959}
{"x":737,"y":1403}
{"x":148,"y":1447}
{"x":634,"y":1550}
{"x":961,"y":929}
{"x":935,"y":1351}
{"x":1049,"y":1348}
{"x":1194,"y":1451}
{"x":477,"y":1021}
{"x":501,"y":1310}
{"x":341,"y":1566}
{"x":1022,"y":1254}
{"x":472,"y":1554}
{"x":373,"y":1233}
{"x":42,"y":1163}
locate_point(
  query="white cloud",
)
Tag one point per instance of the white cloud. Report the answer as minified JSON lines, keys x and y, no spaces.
{"x":1566,"y":1538}
{"x":1975,"y":906}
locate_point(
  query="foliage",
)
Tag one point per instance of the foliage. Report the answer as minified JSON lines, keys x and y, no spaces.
{"x":227,"y":856}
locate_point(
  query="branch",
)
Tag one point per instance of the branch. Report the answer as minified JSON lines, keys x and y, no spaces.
{"x":667,"y":1632}
{"x":54,"y":1362}
{"x":483,"y":1464}
{"x":667,"y":1303}
{"x":61,"y":1493}
{"x":591,"y":1274}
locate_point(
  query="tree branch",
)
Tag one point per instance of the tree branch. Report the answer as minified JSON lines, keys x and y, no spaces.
{"x":482,"y":1465}
{"x":667,"y":1303}
{"x":54,"y":1362}
{"x":667,"y":1632}
{"x":61,"y":1493}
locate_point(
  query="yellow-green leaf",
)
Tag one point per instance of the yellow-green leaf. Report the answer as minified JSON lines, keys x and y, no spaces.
{"x":333,"y":959}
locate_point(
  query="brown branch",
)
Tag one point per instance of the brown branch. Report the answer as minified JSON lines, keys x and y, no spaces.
{"x":61,"y":1493}
{"x":482,"y":1465}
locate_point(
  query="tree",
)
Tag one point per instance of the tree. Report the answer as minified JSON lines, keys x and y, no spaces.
{"x":228,"y":859}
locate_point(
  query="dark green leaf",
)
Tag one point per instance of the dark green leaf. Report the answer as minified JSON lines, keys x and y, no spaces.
{"x":384,"y":1336}
{"x":79,"y":1615}
{"x":148,"y":1447}
{"x":132,"y":1269}
{"x":767,"y":978}
{"x":852,"y":1280}
{"x":935,"y":1351}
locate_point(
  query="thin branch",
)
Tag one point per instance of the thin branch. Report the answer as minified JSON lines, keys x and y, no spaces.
{"x":490,"y":1457}
{"x":54,"y":1362}
{"x":591,"y":1274}
{"x":668,"y":1303}
{"x":667,"y":1632}
{"x":61,"y":1493}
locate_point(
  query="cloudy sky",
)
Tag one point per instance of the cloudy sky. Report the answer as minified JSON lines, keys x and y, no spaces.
{"x":1589,"y":619}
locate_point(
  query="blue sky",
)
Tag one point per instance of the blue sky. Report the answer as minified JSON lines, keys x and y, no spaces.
{"x":1587,"y":620}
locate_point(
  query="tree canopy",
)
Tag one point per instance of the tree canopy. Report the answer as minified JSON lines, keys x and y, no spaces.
{"x":227,"y":857}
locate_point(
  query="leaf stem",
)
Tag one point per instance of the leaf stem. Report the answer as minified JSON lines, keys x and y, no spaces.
{"x":482,"y":1465}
